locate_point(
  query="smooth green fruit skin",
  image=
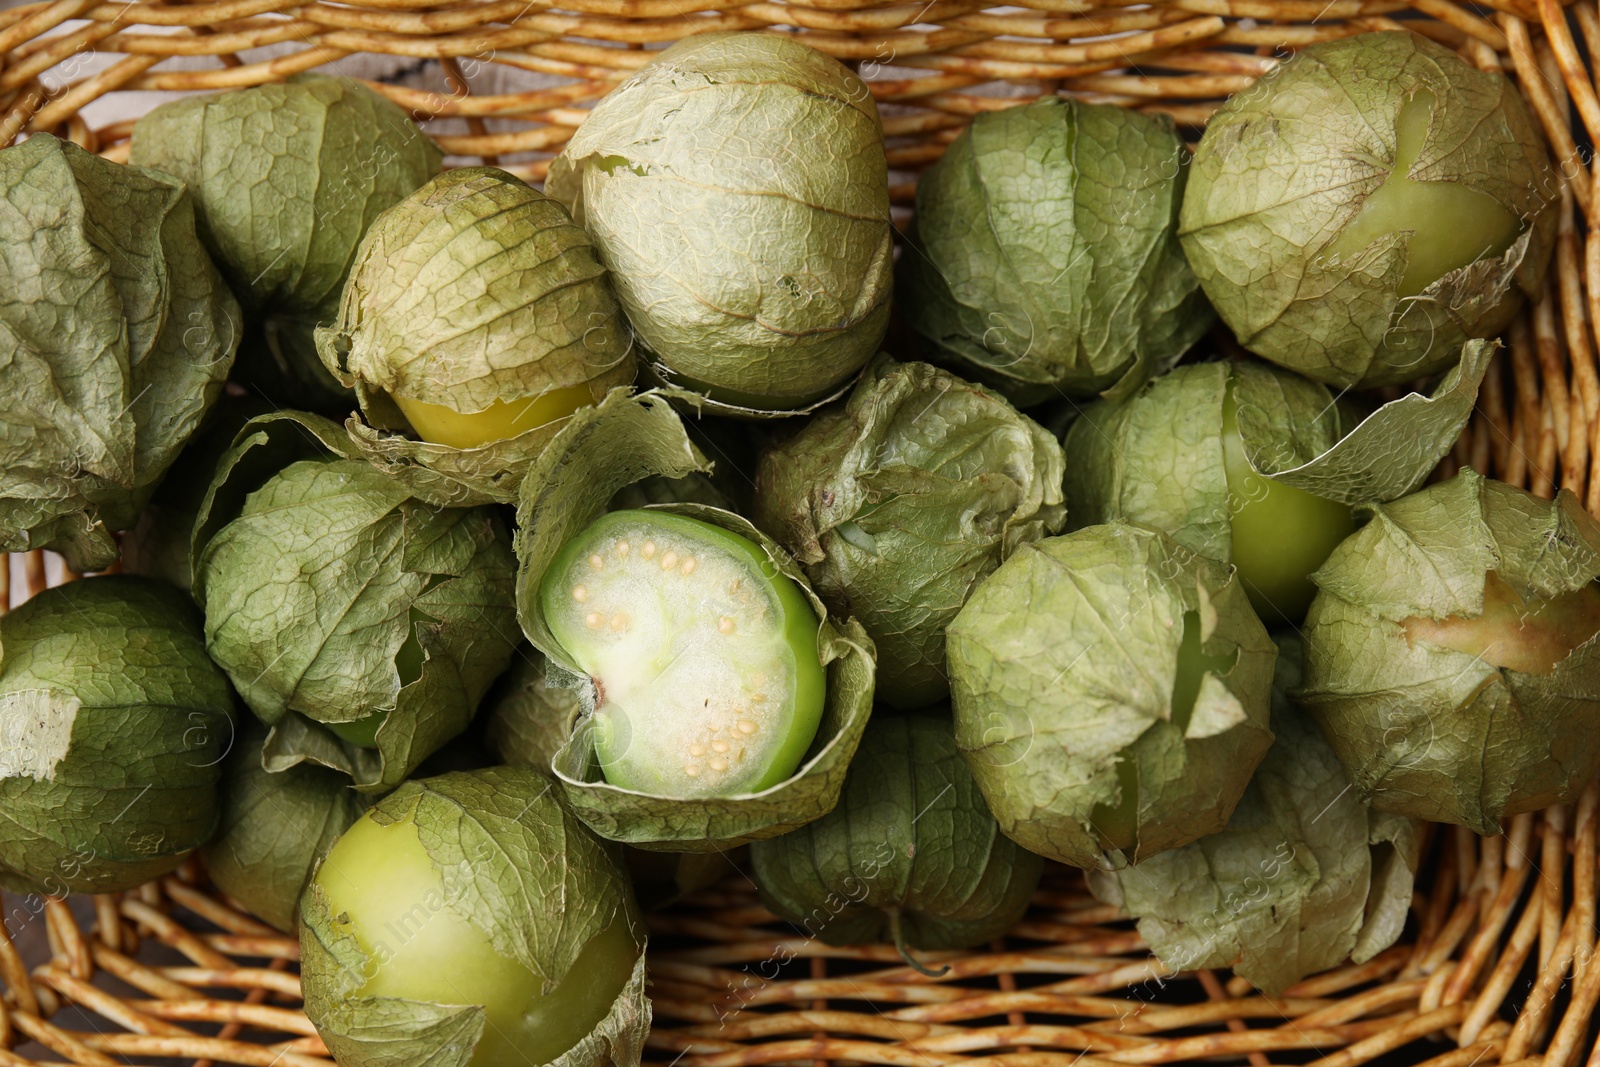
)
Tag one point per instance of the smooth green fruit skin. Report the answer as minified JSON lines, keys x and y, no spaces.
{"x":1449,"y":225}
{"x":799,"y":633}
{"x":1280,"y":534}
{"x":384,"y":890}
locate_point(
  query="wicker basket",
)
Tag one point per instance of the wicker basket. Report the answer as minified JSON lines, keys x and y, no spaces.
{"x":1496,"y":964}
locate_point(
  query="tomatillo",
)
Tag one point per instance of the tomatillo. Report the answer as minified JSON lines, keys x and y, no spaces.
{"x":703,"y":658}
{"x":1258,"y":467}
{"x":1452,"y":653}
{"x":469,"y":919}
{"x":1368,"y":206}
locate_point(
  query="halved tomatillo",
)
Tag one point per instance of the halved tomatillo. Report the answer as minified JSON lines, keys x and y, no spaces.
{"x":702,"y":655}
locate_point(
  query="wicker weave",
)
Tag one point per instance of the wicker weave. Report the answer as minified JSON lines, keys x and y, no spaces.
{"x":1495,"y":968}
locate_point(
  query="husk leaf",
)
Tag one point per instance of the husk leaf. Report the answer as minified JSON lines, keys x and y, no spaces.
{"x":901,"y":502}
{"x":1062,"y":666}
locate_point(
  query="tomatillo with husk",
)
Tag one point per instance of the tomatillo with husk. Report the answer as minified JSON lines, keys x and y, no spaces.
{"x":361,"y":623}
{"x":720,"y":701}
{"x":476,"y":319}
{"x":902,"y":501}
{"x":274,"y":828}
{"x":1111,"y":694}
{"x":113,"y":726}
{"x":286,"y":179}
{"x":1045,"y":257}
{"x":736,"y":187}
{"x":118,"y":334}
{"x":1304,"y":876}
{"x":910,"y":856}
{"x":703,"y":662}
{"x":1254,"y":466}
{"x":1452,"y":655}
{"x":468,"y":920}
{"x":1368,"y":206}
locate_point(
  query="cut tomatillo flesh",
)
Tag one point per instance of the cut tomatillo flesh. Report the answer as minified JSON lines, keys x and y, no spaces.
{"x":702,"y":654}
{"x":1280,"y":534}
{"x":384,"y":890}
{"x":500,"y":420}
{"x":1515,"y":633}
{"x":1451,"y":225}
{"x":1119,"y":824}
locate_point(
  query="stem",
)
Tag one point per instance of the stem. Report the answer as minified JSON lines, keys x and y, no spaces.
{"x":899,"y":936}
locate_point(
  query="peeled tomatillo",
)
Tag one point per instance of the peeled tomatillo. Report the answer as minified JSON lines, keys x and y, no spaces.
{"x":1279,"y":533}
{"x":703,"y":656}
{"x":500,"y":420}
{"x":383,"y":889}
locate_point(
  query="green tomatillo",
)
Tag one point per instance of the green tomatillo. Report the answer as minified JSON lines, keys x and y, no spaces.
{"x":286,"y":178}
{"x":1452,"y":655}
{"x":117,"y":334}
{"x":1254,"y":466}
{"x":475,"y":320}
{"x":719,"y":701}
{"x":113,"y":726}
{"x":910,"y":856}
{"x":1111,"y":694}
{"x":362,"y":624}
{"x":1303,"y":877}
{"x":468,"y":920}
{"x":1045,"y":258}
{"x":902,"y":501}
{"x":1368,"y":206}
{"x":737,"y":188}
